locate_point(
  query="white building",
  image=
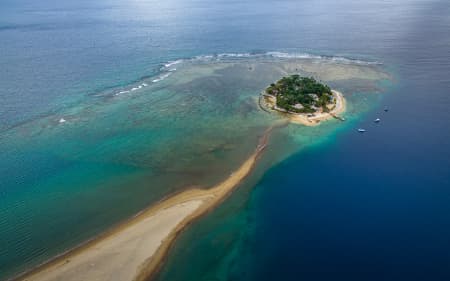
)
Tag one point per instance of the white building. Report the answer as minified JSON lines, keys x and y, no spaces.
{"x":298,"y":106}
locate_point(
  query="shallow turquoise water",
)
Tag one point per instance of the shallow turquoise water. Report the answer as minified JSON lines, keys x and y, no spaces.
{"x":221,"y":246}
{"x":78,"y":171}
{"x":63,"y":182}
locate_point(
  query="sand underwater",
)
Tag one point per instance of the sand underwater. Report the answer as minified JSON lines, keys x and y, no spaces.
{"x":76,"y":172}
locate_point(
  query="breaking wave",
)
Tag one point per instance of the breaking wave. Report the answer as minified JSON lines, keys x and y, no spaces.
{"x":134,"y":88}
{"x":162,"y":77}
{"x":273,"y":54}
{"x":168,"y":68}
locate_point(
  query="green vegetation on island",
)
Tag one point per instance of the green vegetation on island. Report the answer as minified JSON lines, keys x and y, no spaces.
{"x":300,"y":94}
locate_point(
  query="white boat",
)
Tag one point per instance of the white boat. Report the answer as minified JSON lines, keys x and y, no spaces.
{"x":377,"y":120}
{"x":361,"y":130}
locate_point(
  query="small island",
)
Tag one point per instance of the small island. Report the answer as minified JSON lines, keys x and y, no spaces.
{"x":306,"y":100}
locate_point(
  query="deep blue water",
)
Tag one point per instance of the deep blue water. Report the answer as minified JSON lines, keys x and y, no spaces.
{"x":373,"y":206}
{"x":357,"y":212}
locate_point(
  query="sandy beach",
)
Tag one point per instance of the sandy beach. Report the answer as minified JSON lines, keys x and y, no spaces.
{"x":134,"y":249}
{"x":315,"y":120}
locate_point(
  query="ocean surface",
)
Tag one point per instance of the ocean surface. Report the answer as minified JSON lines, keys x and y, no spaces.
{"x":107,"y":106}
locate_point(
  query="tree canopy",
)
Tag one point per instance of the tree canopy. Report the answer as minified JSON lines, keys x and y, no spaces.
{"x":300,"y":94}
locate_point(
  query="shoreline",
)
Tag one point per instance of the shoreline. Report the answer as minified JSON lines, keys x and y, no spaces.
{"x":303,"y":119}
{"x":134,"y":249}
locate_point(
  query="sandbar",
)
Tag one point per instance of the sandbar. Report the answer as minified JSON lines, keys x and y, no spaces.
{"x":134,"y":250}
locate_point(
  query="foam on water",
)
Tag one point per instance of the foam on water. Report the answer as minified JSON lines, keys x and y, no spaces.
{"x":271,"y":54}
{"x":133,"y":89}
{"x":162,"y":77}
{"x":339,"y":59}
{"x":172,"y":63}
